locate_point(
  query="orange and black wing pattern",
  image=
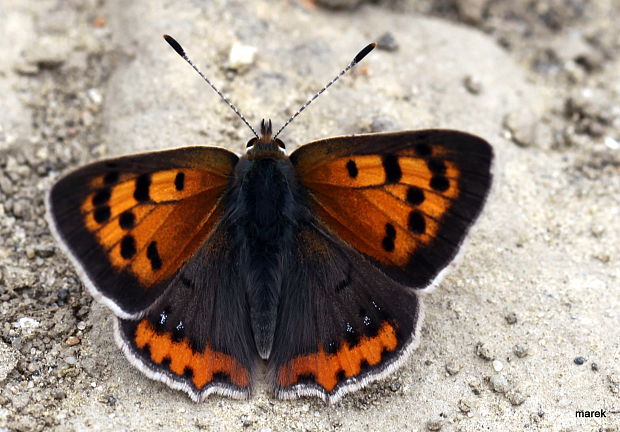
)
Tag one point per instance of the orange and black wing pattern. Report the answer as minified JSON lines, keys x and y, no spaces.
{"x":129,"y":224}
{"x":197,"y":337}
{"x":342,"y":322}
{"x":142,"y":231}
{"x":405,"y":200}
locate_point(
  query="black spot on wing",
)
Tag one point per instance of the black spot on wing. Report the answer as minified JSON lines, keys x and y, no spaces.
{"x":436,"y":166}
{"x":393,"y":173}
{"x":127,"y":220}
{"x":440,"y":183}
{"x":179,"y":181}
{"x":153,"y":255}
{"x":332,"y":347}
{"x":188,"y":373}
{"x":341,"y":376}
{"x":222,"y":377}
{"x":390,"y":236}
{"x":101,"y":197}
{"x":370,"y":326}
{"x":352,"y":169}
{"x":178,"y":333}
{"x":143,"y":184}
{"x":128,"y":247}
{"x":307,"y":378}
{"x":102,"y":214}
{"x":351,"y":336}
{"x":415,"y":195}
{"x":417,"y":224}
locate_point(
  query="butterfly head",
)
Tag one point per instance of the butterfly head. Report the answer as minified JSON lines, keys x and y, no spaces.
{"x":265,"y":145}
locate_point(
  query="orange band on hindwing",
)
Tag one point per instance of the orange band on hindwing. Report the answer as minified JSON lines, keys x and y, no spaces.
{"x":204,"y":366}
{"x":328,"y":370}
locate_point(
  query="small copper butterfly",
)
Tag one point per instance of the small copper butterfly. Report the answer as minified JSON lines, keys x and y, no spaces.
{"x":310,"y":263}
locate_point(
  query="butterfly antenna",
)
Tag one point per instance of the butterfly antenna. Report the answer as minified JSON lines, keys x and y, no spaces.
{"x":358,"y":58}
{"x":180,"y":51}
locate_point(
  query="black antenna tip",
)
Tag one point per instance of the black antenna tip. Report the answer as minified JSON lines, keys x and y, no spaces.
{"x":363,"y":53}
{"x":175,"y":45}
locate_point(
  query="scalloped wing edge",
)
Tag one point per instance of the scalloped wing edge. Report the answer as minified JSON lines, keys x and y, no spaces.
{"x":353,"y":384}
{"x":196,"y":396}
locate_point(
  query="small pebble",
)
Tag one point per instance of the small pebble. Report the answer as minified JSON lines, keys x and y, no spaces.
{"x":339,"y":4}
{"x":241,"y":56}
{"x":247,"y":420}
{"x":63,"y":294}
{"x":72,"y":340}
{"x":521,"y":351}
{"x":71,"y":360}
{"x":387,"y":42}
{"x":511,"y":318}
{"x":44,"y":251}
{"x":30,"y":252}
{"x":394,"y":386}
{"x":579,"y":360}
{"x":499,"y":383}
{"x":471,"y":11}
{"x":453,"y":368}
{"x":474,"y":384}
{"x":498,"y":365}
{"x":27,"y":323}
{"x":95,"y":96}
{"x":611,"y":143}
{"x":434,"y":425}
{"x":521,"y":127}
{"x":594,"y":366}
{"x":465,"y":405}
{"x":472,"y":84}
{"x":516,"y":397}
{"x":484,"y":352}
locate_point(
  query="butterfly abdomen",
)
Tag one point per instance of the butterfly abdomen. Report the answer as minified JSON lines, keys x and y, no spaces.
{"x":265,"y":221}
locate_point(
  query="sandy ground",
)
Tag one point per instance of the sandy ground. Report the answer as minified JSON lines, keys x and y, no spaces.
{"x":534,"y":294}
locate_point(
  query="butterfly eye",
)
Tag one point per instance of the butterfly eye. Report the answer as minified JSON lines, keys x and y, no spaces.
{"x":279,"y":143}
{"x":251,"y":142}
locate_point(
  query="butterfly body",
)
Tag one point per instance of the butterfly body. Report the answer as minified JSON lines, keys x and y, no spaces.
{"x":265,"y":209}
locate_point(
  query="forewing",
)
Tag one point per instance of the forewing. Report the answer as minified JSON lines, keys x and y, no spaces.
{"x":405,"y":200}
{"x":129,"y":224}
{"x":197,"y":338}
{"x":341,"y":324}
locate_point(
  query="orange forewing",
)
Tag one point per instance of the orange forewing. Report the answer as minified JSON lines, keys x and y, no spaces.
{"x":176,"y":219}
{"x":131,"y":223}
{"x":359,"y":204}
{"x":404,"y":199}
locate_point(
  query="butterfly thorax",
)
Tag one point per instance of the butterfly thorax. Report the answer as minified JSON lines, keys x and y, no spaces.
{"x":265,"y":146}
{"x":264,"y":217}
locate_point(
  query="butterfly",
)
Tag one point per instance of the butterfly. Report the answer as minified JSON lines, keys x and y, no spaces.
{"x":311,"y":264}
